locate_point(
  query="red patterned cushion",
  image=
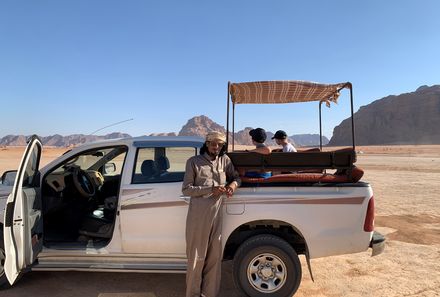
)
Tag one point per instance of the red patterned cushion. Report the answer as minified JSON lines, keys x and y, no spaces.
{"x":356,"y":175}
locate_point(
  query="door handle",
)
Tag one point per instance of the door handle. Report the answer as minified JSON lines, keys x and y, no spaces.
{"x":185,"y":198}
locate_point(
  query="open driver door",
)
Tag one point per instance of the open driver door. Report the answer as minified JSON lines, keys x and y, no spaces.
{"x":23,"y":229}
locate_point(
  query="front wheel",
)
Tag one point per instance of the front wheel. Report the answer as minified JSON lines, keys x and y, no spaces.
{"x":266,"y":265}
{"x":3,"y":280}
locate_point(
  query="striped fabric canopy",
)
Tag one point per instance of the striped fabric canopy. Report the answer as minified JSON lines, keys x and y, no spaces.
{"x":287,"y":91}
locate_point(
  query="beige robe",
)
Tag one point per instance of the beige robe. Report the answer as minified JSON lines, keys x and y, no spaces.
{"x":204,"y":222}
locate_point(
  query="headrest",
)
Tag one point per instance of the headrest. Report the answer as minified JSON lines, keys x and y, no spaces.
{"x":163,"y":163}
{"x":148,"y":168}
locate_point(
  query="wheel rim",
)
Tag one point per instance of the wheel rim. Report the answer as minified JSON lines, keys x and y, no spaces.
{"x":267,"y":273}
{"x":2,"y":262}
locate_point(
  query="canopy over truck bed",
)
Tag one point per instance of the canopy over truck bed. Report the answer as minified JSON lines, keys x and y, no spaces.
{"x":285,"y":91}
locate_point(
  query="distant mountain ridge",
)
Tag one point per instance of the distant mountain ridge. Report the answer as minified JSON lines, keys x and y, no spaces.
{"x":409,"y":118}
{"x":200,"y":125}
{"x":196,"y":126}
{"x":309,"y":139}
{"x":59,"y":140}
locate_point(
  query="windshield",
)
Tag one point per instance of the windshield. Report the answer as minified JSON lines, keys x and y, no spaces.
{"x":95,"y":159}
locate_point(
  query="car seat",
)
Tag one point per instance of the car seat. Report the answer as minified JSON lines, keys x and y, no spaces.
{"x":149,"y":169}
{"x":163,"y":164}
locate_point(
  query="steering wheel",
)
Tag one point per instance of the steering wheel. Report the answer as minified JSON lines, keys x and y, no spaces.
{"x":83,"y":183}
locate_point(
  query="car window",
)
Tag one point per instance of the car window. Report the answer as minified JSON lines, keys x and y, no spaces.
{"x":31,"y":167}
{"x":161,"y":164}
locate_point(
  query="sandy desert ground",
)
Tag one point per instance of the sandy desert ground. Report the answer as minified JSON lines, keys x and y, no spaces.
{"x":406,"y":187}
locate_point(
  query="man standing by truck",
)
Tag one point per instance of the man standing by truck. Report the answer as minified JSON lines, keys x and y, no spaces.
{"x":208,"y":177}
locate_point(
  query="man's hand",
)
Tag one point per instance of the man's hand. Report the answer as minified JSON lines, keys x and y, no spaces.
{"x":218,"y":190}
{"x":230,"y":189}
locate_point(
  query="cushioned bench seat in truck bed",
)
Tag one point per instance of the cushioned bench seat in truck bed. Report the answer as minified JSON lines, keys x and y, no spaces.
{"x":341,"y":160}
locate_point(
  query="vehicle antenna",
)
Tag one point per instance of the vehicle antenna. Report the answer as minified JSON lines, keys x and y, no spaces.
{"x":114,"y":124}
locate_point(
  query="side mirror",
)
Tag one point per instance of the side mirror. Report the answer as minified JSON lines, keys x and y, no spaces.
{"x":8,"y":177}
{"x":109,"y":168}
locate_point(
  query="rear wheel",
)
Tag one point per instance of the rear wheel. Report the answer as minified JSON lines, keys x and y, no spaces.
{"x":3,"y":280}
{"x":266,"y":265}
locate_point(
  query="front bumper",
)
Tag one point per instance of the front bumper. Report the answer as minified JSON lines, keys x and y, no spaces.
{"x":377,"y":244}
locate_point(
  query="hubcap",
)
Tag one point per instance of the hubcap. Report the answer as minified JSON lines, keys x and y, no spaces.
{"x":267,"y":273}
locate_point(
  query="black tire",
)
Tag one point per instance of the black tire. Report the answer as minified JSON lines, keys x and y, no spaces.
{"x":266,"y":265}
{"x":3,"y":280}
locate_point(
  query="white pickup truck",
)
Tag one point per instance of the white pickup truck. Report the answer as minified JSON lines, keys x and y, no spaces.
{"x":117,"y":205}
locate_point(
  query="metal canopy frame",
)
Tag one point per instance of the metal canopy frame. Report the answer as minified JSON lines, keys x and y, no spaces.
{"x":229,"y":98}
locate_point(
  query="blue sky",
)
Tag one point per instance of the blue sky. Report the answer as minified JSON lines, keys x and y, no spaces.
{"x":70,"y":67}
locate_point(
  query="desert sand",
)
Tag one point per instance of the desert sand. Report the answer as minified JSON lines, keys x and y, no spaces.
{"x":405,"y":180}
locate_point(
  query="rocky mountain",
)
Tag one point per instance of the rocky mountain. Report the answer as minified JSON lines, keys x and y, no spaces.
{"x":200,"y":126}
{"x":309,"y":139}
{"x":410,"y":118}
{"x":242,"y":137}
{"x":13,"y":140}
{"x":115,"y":135}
